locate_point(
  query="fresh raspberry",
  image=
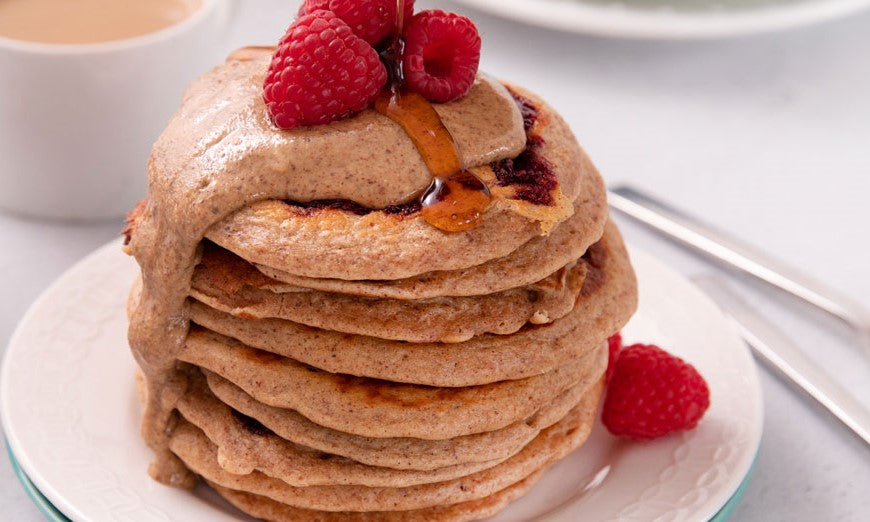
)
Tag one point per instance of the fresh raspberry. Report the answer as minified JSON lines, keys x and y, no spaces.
{"x":614,"y":344}
{"x":371,"y":20}
{"x":442,"y":52}
{"x":653,"y":393}
{"x":321,"y":72}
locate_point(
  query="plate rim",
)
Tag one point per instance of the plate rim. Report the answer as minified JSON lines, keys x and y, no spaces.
{"x":58,"y":500}
{"x":42,"y":503}
{"x":618,"y":20}
{"x":27,"y":467}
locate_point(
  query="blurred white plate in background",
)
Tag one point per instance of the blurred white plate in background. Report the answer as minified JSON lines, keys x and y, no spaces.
{"x":669,"y":19}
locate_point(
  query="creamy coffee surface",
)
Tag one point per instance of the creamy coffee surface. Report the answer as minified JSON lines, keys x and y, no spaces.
{"x":89,"y":21}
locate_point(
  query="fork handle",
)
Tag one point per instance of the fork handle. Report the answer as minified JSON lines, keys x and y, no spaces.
{"x":730,"y":252}
{"x":777,"y":350}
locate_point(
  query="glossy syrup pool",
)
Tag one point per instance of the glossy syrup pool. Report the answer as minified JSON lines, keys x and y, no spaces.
{"x":456,"y":202}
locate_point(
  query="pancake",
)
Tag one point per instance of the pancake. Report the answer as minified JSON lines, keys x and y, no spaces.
{"x":245,"y":445}
{"x":228,"y":283}
{"x":397,"y":452}
{"x":531,"y":262}
{"x":200,"y":455}
{"x":606,"y":301}
{"x":268,"y":509}
{"x":377,"y":408}
{"x":340,"y":244}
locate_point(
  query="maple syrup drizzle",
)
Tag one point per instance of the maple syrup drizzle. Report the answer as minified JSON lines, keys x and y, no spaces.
{"x":456,"y":199}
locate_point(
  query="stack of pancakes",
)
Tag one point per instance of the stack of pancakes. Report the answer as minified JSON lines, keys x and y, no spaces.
{"x":350,"y":363}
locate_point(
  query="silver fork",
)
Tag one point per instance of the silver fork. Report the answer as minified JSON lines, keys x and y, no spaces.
{"x":775,"y":349}
{"x":732,"y":253}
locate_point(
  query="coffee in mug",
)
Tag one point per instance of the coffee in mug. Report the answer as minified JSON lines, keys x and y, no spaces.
{"x":86,"y":86}
{"x":89,"y":21}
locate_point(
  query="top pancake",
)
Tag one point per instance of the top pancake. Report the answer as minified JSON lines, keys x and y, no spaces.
{"x":533,"y":261}
{"x":341,"y":244}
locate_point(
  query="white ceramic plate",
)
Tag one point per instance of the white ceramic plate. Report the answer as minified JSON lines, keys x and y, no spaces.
{"x":71,"y":416}
{"x":669,"y":19}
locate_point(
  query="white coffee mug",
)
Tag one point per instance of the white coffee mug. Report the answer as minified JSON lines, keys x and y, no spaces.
{"x":77,"y":122}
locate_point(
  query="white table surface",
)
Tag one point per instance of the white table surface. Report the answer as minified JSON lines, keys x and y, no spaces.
{"x":767,"y":137}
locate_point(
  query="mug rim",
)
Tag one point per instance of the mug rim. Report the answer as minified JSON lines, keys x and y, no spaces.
{"x":205,"y":8}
